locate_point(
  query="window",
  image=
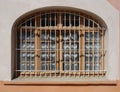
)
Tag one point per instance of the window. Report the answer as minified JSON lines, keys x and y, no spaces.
{"x":60,"y":44}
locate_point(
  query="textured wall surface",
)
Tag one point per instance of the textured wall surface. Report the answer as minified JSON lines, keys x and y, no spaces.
{"x":115,"y":3}
{"x":11,"y":10}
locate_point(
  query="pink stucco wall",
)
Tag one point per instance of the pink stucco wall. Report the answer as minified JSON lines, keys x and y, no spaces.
{"x":115,"y":3}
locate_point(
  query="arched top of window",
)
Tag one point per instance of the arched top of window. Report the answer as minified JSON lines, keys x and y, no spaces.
{"x":64,"y":17}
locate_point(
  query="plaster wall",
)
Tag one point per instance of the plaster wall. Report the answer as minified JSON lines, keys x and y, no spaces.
{"x":11,"y":10}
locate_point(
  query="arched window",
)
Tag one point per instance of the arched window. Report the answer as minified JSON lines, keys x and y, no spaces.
{"x":60,"y":43}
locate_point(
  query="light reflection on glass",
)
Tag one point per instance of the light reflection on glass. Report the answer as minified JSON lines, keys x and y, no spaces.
{"x":74,"y":46}
{"x":44,"y":36}
{"x":75,"y":57}
{"x":75,"y":66}
{"x":88,"y":36}
{"x":75,"y":36}
{"x":53,"y":46}
{"x":66,"y":36}
{"x":66,"y":66}
{"x":52,"y":66}
{"x":44,"y":45}
{"x":88,"y":46}
{"x":52,"y":36}
{"x":66,"y":46}
{"x":66,"y":56}
{"x":88,"y":57}
{"x":88,"y":67}
{"x":44,"y":56}
{"x":97,"y":67}
{"x":52,"y":56}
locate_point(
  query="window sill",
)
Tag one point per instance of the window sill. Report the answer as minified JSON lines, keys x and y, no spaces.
{"x":79,"y":83}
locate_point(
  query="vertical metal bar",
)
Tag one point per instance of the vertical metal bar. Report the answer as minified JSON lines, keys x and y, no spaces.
{"x":40,"y":54}
{"x":83,"y":43}
{"x":26,"y":46}
{"x":74,"y":44}
{"x":79,"y":48}
{"x":103,"y":53}
{"x":64,"y":43}
{"x":36,"y":46}
{"x":50,"y":54}
{"x":50,"y":19}
{"x":61,"y":52}
{"x":36,"y":41}
{"x":89,"y":44}
{"x":55,"y":19}
{"x":21,"y":48}
{"x":61,"y":49}
{"x":55,"y":47}
{"x":50,"y":44}
{"x":70,"y":46}
{"x":97,"y":41}
{"x":65,"y":19}
{"x":40,"y":21}
{"x":40,"y":44}
{"x":93,"y":52}
{"x":30,"y":44}
{"x":98,"y":53}
{"x":45,"y":49}
{"x":55,"y":53}
{"x":69,"y":19}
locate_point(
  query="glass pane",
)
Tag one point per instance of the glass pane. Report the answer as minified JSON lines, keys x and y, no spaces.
{"x":22,"y":66}
{"x":97,"y":36}
{"x":88,"y":67}
{"x":28,"y":66}
{"x":75,"y":57}
{"x":44,"y":56}
{"x":66,"y":46}
{"x":88,"y":36}
{"x":32,"y":35}
{"x":44,"y":45}
{"x":53,"y":66}
{"x":28,"y":35}
{"x":52,"y":45}
{"x":28,"y":56}
{"x":88,"y":45}
{"x":88,"y":57}
{"x":97,"y":57}
{"x":75,"y":46}
{"x":66,"y":56}
{"x":32,"y":55}
{"x":97,"y":67}
{"x":44,"y":67}
{"x":75,"y":36}
{"x":52,"y":36}
{"x":32,"y":66}
{"x":66,"y":35}
{"x":52,"y":56}
{"x":23,"y":56}
{"x":97,"y":46}
{"x":32,"y":45}
{"x":66,"y":66}
{"x":75,"y":66}
{"x":44,"y":35}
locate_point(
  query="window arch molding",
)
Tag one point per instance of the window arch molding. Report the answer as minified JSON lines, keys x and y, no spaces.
{"x":98,"y":23}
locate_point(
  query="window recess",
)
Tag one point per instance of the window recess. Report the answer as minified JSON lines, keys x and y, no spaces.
{"x":60,"y":44}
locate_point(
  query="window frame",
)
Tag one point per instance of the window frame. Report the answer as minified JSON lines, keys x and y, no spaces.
{"x":81,"y":30}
